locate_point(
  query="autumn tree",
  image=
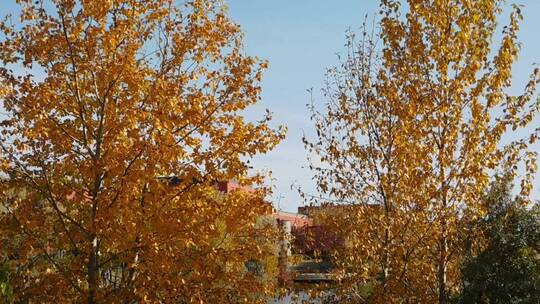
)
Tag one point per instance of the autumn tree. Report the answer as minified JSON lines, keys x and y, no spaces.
{"x":121,"y":116}
{"x":418,"y":117}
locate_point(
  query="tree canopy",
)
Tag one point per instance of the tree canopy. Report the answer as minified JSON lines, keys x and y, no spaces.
{"x":105,"y":100}
{"x":506,"y":269}
{"x":416,"y":120}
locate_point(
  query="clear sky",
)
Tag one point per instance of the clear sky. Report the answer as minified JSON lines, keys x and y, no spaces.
{"x":300,"y":38}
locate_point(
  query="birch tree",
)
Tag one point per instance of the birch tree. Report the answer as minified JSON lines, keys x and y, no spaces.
{"x":418,"y":117}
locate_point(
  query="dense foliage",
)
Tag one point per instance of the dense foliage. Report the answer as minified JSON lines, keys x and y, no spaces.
{"x":417,"y":116}
{"x":105,"y":101}
{"x":507,"y":268}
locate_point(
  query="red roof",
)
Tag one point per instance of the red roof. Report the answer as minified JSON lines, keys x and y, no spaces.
{"x":297,"y":220}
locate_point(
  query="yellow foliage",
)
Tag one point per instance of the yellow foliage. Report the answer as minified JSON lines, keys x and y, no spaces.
{"x":128,"y":92}
{"x":415,"y":127}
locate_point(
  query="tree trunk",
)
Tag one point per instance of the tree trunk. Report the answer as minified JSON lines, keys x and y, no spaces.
{"x":92,"y":269}
{"x":443,"y":242}
{"x":386,"y":259}
{"x":443,"y":248}
{"x":442,"y":269}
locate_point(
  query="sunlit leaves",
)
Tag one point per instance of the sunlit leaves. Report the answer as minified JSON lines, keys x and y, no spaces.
{"x":104,"y":101}
{"x":416,"y":126}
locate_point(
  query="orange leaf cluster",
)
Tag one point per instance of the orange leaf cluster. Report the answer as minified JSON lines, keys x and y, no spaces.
{"x":416,"y":126}
{"x":103,"y":98}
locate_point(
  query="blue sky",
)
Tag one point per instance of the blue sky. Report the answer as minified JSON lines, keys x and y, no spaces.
{"x":300,"y":38}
